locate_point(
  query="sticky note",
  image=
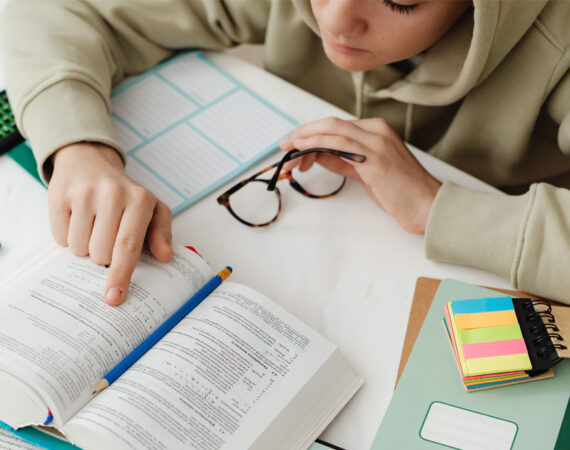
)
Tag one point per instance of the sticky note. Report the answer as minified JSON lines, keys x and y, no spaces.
{"x":490,"y":334}
{"x":485,"y":319}
{"x":504,"y":363}
{"x":480,"y":305}
{"x":496,"y":348}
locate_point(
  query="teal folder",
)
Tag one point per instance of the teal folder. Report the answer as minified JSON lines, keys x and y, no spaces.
{"x":23,"y":155}
{"x":537,"y":409}
{"x":42,"y":440}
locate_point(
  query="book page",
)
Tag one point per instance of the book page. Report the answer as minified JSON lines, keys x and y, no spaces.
{"x":217,"y":380}
{"x":59,"y":336}
{"x":187,"y":127}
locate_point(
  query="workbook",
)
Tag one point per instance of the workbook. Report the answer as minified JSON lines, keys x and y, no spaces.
{"x":430,"y":408}
{"x":238,"y":372}
{"x":187,"y":127}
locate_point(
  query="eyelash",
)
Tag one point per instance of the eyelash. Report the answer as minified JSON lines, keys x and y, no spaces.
{"x":402,"y":9}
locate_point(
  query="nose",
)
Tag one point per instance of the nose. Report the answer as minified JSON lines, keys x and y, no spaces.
{"x":344,"y":18}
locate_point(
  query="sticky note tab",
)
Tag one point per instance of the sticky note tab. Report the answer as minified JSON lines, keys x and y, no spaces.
{"x":487,"y":379}
{"x":486,"y":319}
{"x":490,"y":334}
{"x":496,"y":348}
{"x":494,"y":383}
{"x":480,"y":305}
{"x":504,"y":363}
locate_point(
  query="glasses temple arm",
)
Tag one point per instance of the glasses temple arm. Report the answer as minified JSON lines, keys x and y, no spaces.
{"x":288,"y":156}
{"x":297,"y":154}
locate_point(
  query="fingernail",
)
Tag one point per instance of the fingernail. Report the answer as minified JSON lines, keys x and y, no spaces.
{"x":114,"y":294}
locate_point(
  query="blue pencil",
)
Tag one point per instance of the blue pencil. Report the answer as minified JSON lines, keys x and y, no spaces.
{"x":145,"y":345}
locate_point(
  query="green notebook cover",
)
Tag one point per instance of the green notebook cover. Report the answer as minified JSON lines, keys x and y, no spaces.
{"x":23,"y":155}
{"x":536,"y":408}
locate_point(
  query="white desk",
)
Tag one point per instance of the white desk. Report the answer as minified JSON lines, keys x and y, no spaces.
{"x":341,"y":264}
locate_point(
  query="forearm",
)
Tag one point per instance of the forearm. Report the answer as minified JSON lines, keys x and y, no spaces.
{"x":61,"y":58}
{"x":525,"y":239}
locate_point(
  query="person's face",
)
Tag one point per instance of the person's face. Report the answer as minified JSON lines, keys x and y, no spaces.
{"x":364,"y":34}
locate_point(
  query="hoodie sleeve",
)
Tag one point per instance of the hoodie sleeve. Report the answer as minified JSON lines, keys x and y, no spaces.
{"x":525,"y":238}
{"x":62,"y":57}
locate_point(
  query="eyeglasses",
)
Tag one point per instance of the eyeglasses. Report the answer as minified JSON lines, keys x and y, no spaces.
{"x":256,"y":201}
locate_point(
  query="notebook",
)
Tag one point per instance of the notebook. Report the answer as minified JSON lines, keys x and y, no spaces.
{"x":430,"y":404}
{"x":503,"y":340}
{"x":188,"y":127}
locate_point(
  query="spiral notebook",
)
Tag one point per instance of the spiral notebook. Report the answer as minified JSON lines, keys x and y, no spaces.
{"x":503,"y":340}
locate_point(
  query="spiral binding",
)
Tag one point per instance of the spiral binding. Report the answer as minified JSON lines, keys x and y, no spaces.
{"x":542,"y":339}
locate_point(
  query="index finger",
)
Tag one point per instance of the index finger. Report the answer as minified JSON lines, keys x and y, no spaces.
{"x":126,"y":253}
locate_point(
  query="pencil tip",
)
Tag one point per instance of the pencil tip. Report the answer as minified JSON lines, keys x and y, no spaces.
{"x":103,"y":384}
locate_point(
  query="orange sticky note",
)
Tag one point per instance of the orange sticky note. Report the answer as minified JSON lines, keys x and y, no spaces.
{"x":486,"y":319}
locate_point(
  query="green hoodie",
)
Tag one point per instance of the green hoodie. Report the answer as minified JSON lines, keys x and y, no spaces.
{"x":491,"y":97}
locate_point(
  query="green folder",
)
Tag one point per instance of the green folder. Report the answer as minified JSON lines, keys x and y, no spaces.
{"x":539,"y":410}
{"x":23,"y":155}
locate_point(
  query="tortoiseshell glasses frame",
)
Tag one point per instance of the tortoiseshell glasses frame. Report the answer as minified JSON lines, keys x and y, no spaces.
{"x":280,"y":174}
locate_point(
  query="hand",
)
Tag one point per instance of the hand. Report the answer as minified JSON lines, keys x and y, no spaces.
{"x":97,"y":210}
{"x":393,"y":177}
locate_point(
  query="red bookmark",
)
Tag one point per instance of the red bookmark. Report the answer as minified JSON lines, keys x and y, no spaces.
{"x":194,"y":250}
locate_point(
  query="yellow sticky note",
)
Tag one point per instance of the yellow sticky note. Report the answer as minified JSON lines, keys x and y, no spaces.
{"x":495,"y":364}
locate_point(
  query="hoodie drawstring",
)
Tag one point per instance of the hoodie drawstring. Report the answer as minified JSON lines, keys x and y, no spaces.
{"x":358,"y":79}
{"x":408,"y":122}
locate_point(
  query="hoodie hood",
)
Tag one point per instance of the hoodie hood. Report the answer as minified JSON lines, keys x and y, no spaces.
{"x":464,"y":57}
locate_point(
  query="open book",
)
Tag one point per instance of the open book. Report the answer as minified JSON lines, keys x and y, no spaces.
{"x":237,"y":372}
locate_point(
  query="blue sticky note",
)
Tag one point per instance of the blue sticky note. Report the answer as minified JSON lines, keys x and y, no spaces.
{"x":481,"y":305}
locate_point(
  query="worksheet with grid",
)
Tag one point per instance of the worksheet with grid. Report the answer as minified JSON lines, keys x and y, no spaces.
{"x":188,"y":127}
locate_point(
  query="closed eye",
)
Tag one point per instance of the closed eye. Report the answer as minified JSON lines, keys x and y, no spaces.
{"x":399,"y":8}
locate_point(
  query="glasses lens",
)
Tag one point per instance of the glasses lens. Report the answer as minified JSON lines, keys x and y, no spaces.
{"x":254,"y":203}
{"x":318,"y":181}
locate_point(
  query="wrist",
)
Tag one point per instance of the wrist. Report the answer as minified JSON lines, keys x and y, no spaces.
{"x":415,"y":217}
{"x":426,"y":204}
{"x":86,"y":153}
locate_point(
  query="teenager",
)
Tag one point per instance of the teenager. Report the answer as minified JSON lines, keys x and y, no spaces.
{"x":483,"y":85}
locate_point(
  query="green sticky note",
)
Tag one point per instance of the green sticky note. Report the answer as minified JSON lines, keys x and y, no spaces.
{"x":490,"y":334}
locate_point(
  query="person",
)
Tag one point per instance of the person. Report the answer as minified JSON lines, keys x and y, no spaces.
{"x":483,"y":85}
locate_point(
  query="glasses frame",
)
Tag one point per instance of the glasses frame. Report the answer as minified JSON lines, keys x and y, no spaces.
{"x":224,"y":199}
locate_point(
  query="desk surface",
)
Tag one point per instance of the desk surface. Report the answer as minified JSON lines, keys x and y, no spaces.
{"x":341,"y":265}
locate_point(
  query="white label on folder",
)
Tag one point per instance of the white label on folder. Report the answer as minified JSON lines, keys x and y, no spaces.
{"x":459,"y":428}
